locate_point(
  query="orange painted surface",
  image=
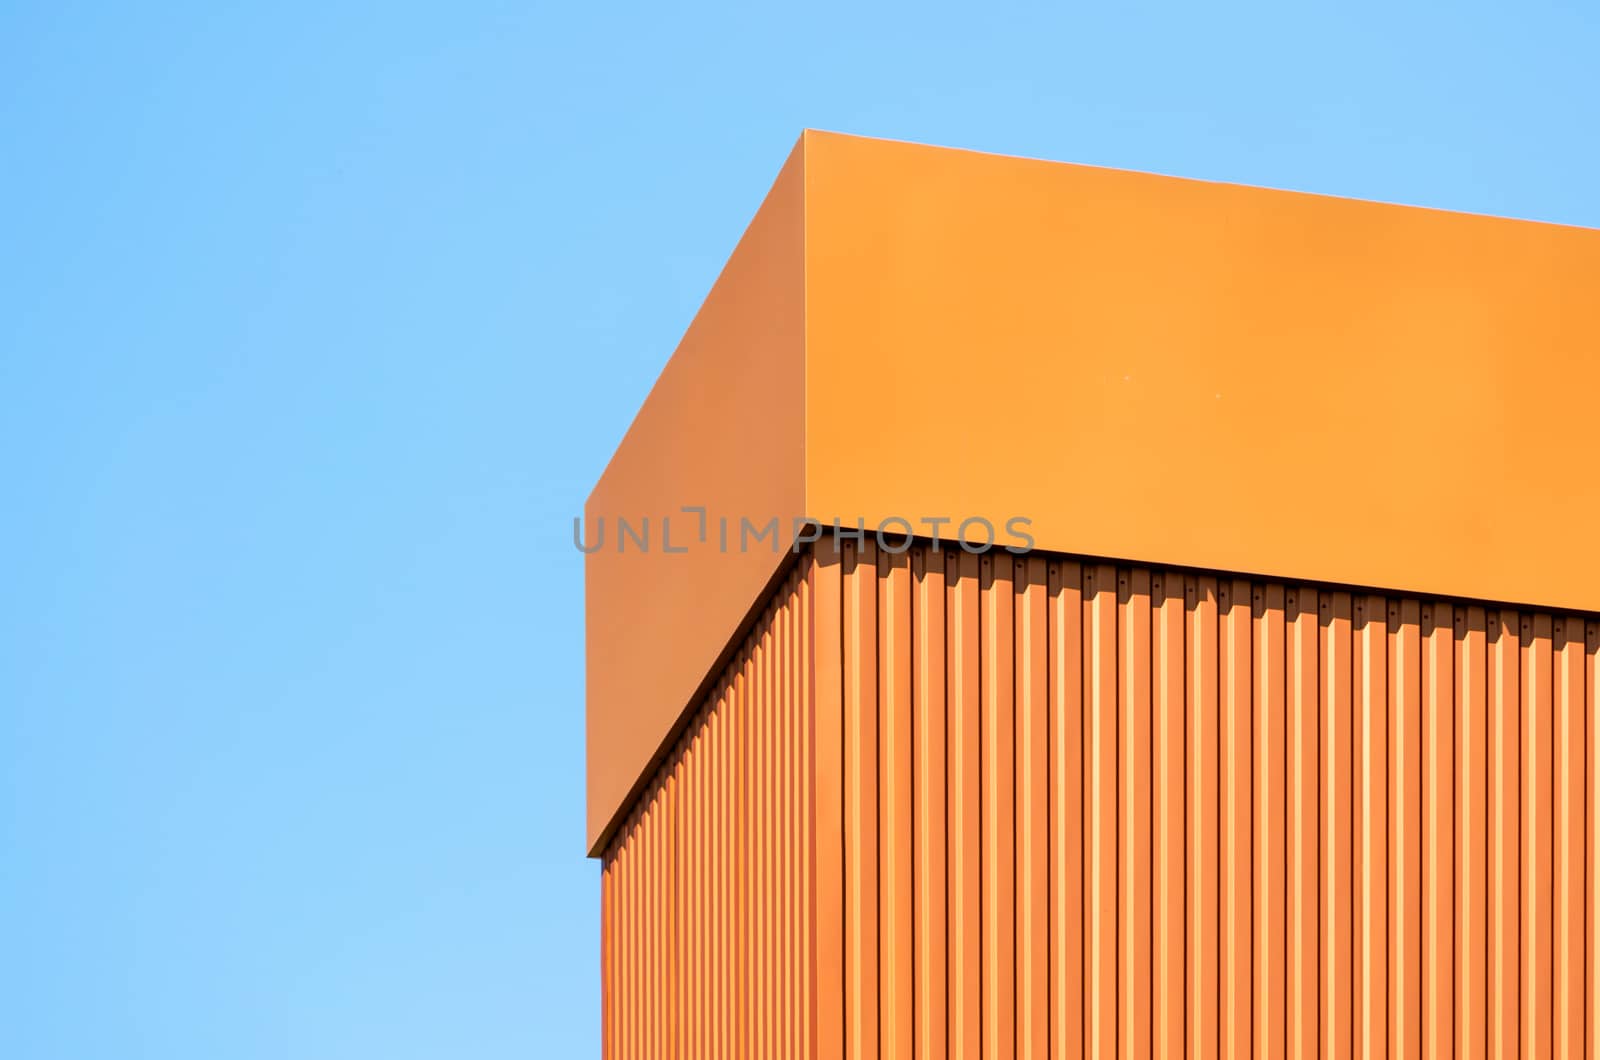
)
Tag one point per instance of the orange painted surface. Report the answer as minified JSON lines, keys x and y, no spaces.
{"x":1263,"y":362}
{"x":722,"y":430}
{"x":951,"y":806}
{"x":865,"y":804}
{"x":1260,"y":361}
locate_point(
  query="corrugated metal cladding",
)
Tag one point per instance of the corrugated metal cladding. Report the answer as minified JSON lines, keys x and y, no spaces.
{"x":1063,"y":809}
{"x":705,"y":909}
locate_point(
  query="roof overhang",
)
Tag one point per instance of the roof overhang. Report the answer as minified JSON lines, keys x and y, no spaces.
{"x":1141,"y":367}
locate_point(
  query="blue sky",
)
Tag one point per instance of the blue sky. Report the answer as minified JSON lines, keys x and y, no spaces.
{"x":317,"y":323}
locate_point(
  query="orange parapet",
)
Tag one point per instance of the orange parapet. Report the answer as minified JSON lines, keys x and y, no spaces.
{"x":1140,"y":367}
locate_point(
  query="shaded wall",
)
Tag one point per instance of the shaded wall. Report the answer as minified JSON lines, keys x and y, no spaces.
{"x":705,"y":911}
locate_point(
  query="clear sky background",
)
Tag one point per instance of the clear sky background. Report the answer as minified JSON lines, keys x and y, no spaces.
{"x":318,"y":322}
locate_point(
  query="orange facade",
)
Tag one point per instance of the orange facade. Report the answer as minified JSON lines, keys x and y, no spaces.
{"x":1281,"y":740}
{"x":949,"y":805}
{"x":1146,"y":368}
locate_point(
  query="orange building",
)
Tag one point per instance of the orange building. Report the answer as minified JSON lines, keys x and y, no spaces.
{"x":1270,"y":734}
